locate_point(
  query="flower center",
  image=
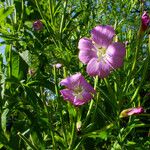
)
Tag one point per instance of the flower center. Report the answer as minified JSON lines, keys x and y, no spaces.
{"x":101,"y":52}
{"x":78,"y":92}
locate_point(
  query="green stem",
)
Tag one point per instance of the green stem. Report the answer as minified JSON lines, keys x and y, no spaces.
{"x":38,"y":7}
{"x":51,"y":10}
{"x":59,"y":103}
{"x":132,"y":71}
{"x":49,"y":115}
{"x":146,"y":63}
{"x":135,"y":57}
{"x":111,"y":92}
{"x":22,"y":13}
{"x":27,"y":141}
{"x":72,"y":135}
{"x":63,"y":17}
{"x":92,"y":101}
{"x":10,"y":61}
{"x":64,"y":72}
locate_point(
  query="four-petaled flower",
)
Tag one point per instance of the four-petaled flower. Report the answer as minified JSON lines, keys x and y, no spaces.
{"x":99,"y":52}
{"x":78,"y":91}
{"x":131,"y":111}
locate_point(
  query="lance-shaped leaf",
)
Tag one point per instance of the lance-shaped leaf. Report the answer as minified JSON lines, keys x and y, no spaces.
{"x":19,"y":66}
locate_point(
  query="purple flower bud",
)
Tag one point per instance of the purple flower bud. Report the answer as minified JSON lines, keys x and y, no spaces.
{"x":37,"y":25}
{"x":145,"y":21}
{"x":131,"y":111}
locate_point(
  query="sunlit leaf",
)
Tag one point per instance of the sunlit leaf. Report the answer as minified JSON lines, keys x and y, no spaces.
{"x":19,"y":66}
{"x":5,"y":12}
{"x":4,"y":119}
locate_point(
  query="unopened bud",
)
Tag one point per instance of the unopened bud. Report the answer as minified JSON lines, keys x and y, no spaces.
{"x":145,"y":22}
{"x":37,"y":25}
{"x":131,"y":111}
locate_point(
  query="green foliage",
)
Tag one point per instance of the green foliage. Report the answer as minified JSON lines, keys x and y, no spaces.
{"x":33,"y":114}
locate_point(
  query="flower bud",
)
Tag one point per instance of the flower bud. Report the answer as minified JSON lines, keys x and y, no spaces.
{"x":78,"y":125}
{"x":58,"y":65}
{"x":37,"y":25}
{"x":31,"y":72}
{"x":131,"y":111}
{"x":145,"y":22}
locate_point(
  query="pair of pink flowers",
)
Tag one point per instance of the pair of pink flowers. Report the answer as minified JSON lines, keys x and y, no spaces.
{"x":101,"y":55}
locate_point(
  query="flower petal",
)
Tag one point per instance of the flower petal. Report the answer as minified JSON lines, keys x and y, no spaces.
{"x":100,"y":68}
{"x":116,"y":49}
{"x":78,"y":102}
{"x":85,"y":44}
{"x":86,"y":55}
{"x":115,"y":62}
{"x":134,"y":111}
{"x":72,"y":81}
{"x":87,"y":50}
{"x":67,"y":94}
{"x":103,"y":35}
{"x":86,"y":96}
{"x":93,"y":67}
{"x":87,"y":87}
{"x":104,"y":69}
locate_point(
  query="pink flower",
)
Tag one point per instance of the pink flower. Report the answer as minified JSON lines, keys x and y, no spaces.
{"x":145,"y":21}
{"x":58,"y":65}
{"x":38,"y":25}
{"x":99,"y":53}
{"x":77,"y":91}
{"x":131,"y":111}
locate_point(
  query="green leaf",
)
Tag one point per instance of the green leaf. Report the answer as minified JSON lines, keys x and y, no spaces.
{"x":33,"y":97}
{"x":1,"y":63}
{"x":5,"y":12}
{"x":131,"y":143}
{"x":27,"y":141}
{"x":19,"y":66}
{"x":4,"y":119}
{"x":97,"y":134}
{"x":1,"y":145}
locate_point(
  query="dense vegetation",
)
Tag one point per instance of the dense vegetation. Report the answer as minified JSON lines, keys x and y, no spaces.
{"x":40,"y":47}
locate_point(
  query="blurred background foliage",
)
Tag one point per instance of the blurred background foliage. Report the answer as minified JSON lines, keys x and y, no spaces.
{"x":33,"y":114}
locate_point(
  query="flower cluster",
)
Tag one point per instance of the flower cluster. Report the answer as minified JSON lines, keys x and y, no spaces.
{"x":100,"y":53}
{"x":77,"y":91}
